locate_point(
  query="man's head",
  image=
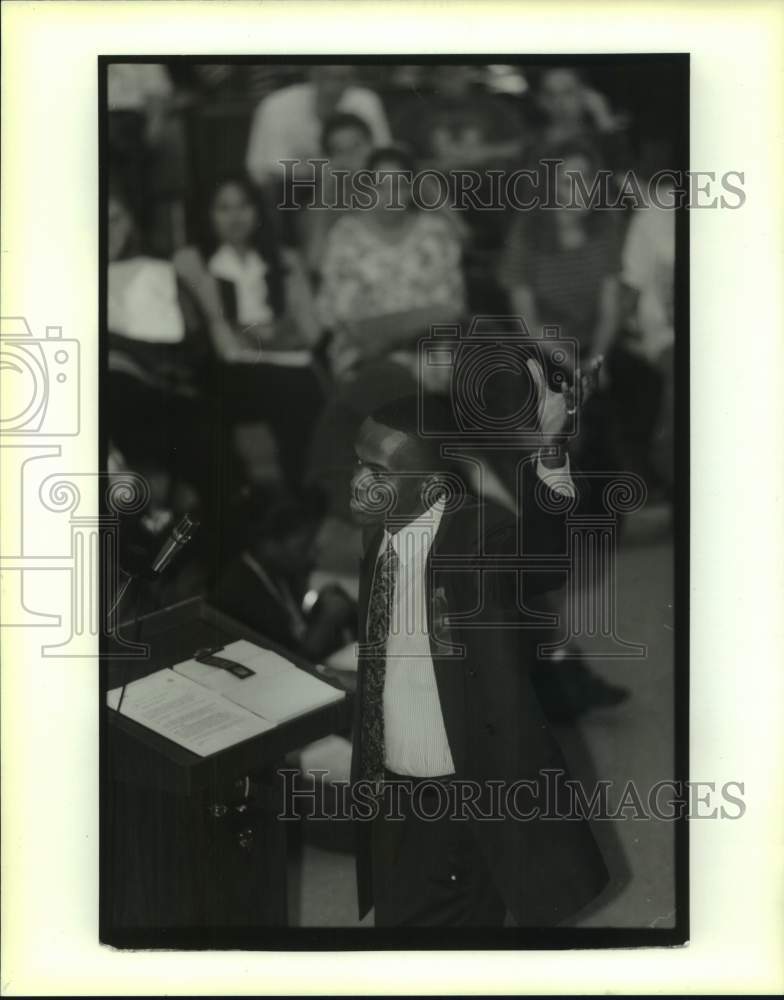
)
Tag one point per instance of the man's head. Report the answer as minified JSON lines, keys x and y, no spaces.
{"x":347,"y":140}
{"x":398,"y":471}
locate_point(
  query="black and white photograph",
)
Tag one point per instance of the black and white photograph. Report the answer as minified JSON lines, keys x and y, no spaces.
{"x":391,"y":528}
{"x":394,"y":391}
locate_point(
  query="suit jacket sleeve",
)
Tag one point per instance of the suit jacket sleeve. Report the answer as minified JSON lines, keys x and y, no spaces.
{"x":539,"y":533}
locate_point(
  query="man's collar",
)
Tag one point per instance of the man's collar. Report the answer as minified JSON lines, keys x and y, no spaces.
{"x":417,"y":534}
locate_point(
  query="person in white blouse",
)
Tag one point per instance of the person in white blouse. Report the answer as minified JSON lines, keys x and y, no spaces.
{"x":643,"y":362}
{"x":156,"y":355}
{"x":257,"y":302}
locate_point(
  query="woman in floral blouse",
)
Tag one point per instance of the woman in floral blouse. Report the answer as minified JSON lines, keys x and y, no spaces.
{"x":390,"y":273}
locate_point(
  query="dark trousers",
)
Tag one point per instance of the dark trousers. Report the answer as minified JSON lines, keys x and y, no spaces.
{"x":430,"y":872}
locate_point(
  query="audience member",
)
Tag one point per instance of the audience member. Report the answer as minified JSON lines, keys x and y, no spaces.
{"x":266,"y":585}
{"x":147,"y":148}
{"x":389,"y":275}
{"x":136,"y":95}
{"x":641,"y":366}
{"x":561,"y":268}
{"x":648,"y":272}
{"x":561,"y":265}
{"x":257,"y":302}
{"x":232,"y":82}
{"x":346,"y":142}
{"x":157,"y":351}
{"x":570,"y":110}
{"x":460,"y":126}
{"x":287,"y":124}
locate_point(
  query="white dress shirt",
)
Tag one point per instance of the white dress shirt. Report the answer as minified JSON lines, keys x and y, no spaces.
{"x":415,"y":738}
{"x":414,"y":734}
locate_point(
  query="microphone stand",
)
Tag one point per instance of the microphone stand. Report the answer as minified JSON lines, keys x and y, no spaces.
{"x":134,"y":578}
{"x":178,"y":539}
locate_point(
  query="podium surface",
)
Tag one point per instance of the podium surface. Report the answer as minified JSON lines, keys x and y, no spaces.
{"x":192,"y":851}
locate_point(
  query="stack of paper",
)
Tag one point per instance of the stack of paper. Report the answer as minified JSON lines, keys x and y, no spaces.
{"x":186,"y":713}
{"x":277,"y":692}
{"x":206,"y":709}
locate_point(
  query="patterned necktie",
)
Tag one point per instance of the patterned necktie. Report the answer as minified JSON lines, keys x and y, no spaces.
{"x":378,"y":620}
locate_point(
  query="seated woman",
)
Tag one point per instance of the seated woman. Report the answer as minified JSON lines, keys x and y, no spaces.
{"x":346,"y":144}
{"x":389,"y":274}
{"x":157,"y":349}
{"x":561,"y":267}
{"x":457,"y":124}
{"x":261,"y":323}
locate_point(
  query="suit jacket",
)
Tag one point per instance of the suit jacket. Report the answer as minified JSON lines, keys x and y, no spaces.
{"x":545,"y":868}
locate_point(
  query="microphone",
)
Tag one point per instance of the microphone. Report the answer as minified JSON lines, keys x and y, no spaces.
{"x":180,"y":535}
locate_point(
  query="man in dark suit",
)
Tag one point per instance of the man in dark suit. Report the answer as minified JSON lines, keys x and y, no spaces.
{"x":448,"y":638}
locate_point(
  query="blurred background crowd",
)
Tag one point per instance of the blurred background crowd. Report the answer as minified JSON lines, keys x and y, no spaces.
{"x":246,"y":343}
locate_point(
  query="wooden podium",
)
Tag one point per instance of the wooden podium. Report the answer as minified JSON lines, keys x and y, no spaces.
{"x":192,"y":854}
